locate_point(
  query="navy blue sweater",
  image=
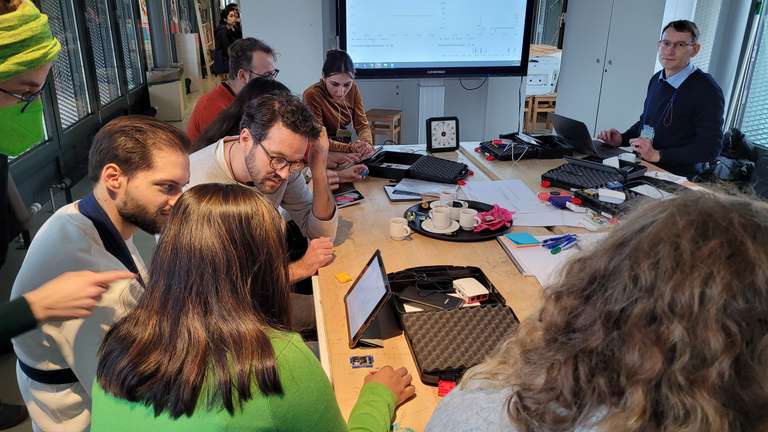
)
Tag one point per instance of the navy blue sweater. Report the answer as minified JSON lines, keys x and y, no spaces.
{"x":690,"y":129}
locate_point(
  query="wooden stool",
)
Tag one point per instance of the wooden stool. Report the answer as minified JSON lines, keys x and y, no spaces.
{"x":387,"y":121}
{"x":544,"y":104}
{"x":527,"y":115}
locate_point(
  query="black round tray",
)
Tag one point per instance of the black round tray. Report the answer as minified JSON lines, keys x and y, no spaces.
{"x":459,"y":235}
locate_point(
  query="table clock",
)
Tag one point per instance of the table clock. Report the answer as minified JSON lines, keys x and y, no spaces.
{"x":442,"y":134}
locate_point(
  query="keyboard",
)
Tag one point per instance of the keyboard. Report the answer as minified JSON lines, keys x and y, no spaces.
{"x":604,"y":150}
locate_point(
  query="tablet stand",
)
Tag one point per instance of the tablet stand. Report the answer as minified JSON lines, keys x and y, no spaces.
{"x":384,"y":326}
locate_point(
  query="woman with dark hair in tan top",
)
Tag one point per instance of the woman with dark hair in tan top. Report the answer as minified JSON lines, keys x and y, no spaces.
{"x":336,"y":102}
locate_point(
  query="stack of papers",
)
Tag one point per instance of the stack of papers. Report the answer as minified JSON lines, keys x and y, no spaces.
{"x":540,"y":263}
{"x":421,"y":187}
{"x":515,"y":196}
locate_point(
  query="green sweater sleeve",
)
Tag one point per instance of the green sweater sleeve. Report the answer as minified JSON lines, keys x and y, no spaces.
{"x":17,"y":318}
{"x":374,"y":409}
{"x":308,"y":401}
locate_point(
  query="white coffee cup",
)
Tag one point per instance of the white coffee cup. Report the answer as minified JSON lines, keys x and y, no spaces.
{"x":398,"y":228}
{"x":436,"y":204}
{"x":468,"y":219}
{"x":456,"y":206}
{"x":447,"y":197}
{"x":441,"y":217}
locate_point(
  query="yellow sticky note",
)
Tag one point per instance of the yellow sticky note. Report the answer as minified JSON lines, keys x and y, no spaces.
{"x":343,"y":277}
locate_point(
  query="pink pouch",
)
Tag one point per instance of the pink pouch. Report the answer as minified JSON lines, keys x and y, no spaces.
{"x":493,"y":219}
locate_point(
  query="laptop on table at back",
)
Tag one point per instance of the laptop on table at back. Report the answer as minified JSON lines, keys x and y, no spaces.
{"x":577,"y":135}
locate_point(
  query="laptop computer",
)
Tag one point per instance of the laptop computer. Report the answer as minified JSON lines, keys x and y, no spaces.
{"x":577,"y":135}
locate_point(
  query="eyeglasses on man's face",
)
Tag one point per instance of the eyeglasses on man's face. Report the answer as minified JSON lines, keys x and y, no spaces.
{"x":26,"y":98}
{"x":277,"y":163}
{"x":269,"y":75}
{"x":666,"y":44}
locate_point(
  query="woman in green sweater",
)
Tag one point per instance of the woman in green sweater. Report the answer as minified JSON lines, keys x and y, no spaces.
{"x":206,"y":347}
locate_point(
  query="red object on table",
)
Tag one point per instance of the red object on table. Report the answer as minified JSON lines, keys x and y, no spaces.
{"x":444,"y":387}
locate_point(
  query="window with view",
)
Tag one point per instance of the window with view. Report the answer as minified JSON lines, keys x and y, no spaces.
{"x":100,"y":34}
{"x":68,"y":70}
{"x":129,"y":43}
{"x":754,"y":123}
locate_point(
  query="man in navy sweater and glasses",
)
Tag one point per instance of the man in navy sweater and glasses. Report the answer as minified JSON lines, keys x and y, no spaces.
{"x":680,"y":128}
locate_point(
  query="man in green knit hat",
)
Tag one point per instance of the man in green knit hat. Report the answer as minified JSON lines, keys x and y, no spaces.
{"x":27,"y":50}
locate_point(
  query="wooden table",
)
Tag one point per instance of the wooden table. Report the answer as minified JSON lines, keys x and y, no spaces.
{"x":527,"y":170}
{"x":363,"y":228}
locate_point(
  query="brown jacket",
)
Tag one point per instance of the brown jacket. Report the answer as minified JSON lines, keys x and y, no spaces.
{"x":335,"y":115}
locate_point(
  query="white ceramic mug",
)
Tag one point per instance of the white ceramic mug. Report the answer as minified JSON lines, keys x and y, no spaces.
{"x":468,"y":219}
{"x":447,"y":197}
{"x":456,"y":206}
{"x":398,"y":228}
{"x":441,"y":217}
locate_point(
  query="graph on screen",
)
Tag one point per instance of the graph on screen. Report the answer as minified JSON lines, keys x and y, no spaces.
{"x":403,"y":34}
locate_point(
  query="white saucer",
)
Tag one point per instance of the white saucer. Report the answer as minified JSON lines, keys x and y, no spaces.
{"x":427,"y":225}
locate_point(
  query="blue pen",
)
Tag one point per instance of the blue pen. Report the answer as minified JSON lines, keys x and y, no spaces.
{"x":567,"y":245}
{"x":554,"y":241}
{"x":364,"y":174}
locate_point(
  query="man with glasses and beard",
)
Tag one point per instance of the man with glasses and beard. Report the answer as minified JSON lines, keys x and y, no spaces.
{"x":278,"y":138}
{"x":248,"y":58}
{"x":139,"y":167}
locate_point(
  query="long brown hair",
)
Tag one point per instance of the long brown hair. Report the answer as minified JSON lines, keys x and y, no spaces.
{"x":664,"y":326}
{"x":218,"y":286}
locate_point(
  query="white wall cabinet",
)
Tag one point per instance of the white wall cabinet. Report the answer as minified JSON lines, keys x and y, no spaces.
{"x":609,"y":53}
{"x":294,"y":29}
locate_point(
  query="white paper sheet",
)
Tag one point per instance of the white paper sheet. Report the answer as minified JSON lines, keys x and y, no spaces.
{"x":553,"y":217}
{"x":511,"y":194}
{"x":514,"y":195}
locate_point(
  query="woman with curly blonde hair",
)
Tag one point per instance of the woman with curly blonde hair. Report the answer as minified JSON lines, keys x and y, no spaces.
{"x":663,"y":327}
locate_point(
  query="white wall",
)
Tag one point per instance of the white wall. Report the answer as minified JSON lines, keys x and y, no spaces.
{"x":294,"y":28}
{"x":483,"y":113}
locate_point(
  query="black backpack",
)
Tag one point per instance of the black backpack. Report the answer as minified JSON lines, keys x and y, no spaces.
{"x":736,"y":163}
{"x":737,"y":146}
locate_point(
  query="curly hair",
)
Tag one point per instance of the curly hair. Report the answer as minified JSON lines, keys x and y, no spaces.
{"x":663,"y":327}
